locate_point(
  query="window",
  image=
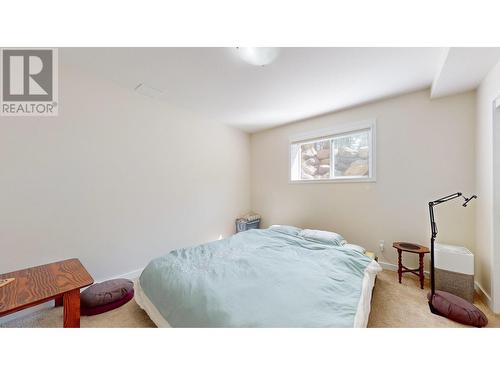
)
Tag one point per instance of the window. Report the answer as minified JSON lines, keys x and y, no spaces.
{"x":343,"y":153}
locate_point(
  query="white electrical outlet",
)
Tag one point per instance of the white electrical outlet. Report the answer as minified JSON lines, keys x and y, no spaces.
{"x":381,"y":246}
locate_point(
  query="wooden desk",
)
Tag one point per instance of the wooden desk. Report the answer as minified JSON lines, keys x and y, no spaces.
{"x":36,"y":285}
{"x":415,"y":249}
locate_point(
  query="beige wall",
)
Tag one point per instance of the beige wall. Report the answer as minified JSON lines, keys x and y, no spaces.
{"x":487,"y":92}
{"x":115,"y":180}
{"x":416,"y":163}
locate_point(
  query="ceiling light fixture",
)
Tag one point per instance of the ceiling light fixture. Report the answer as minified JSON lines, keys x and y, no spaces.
{"x":259,"y":56}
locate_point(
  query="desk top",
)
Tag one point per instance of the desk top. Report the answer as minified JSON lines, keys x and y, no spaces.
{"x":39,"y":284}
{"x":410,"y":247}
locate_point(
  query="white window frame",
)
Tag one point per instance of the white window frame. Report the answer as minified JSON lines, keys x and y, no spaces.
{"x":332,"y":132}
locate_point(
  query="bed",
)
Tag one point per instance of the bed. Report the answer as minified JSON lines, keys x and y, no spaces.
{"x":259,"y":278}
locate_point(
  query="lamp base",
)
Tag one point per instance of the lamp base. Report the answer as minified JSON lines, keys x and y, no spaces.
{"x":455,"y":308}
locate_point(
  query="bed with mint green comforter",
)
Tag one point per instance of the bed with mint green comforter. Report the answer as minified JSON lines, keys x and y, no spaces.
{"x":257,"y":278}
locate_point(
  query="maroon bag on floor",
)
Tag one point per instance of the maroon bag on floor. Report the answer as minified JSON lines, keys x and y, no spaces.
{"x":106,"y":296}
{"x":457,"y":309}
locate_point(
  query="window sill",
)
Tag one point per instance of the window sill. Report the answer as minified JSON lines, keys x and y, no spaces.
{"x":334,"y":181}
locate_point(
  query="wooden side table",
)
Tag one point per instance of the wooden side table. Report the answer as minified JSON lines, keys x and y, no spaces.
{"x":415,"y":249}
{"x":36,"y":285}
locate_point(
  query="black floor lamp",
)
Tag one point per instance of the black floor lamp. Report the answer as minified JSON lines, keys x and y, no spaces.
{"x":444,"y":303}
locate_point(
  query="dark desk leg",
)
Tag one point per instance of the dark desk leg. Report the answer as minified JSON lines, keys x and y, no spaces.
{"x":58,"y":302}
{"x":72,"y":309}
{"x":421,"y":269}
{"x":400,"y":266}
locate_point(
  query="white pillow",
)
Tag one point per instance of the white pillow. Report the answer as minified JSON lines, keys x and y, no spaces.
{"x":355,"y":247}
{"x":323,"y":236}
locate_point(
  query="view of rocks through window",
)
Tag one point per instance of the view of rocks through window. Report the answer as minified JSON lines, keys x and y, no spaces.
{"x":350,"y":157}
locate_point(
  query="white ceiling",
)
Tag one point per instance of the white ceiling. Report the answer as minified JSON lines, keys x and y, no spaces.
{"x":301,"y":83}
{"x":462,"y":69}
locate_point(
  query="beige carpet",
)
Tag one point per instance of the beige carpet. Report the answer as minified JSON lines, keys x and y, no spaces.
{"x":405,"y":305}
{"x":394,"y":305}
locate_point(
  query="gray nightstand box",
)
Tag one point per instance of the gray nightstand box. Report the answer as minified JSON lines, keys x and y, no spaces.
{"x":454,"y":270}
{"x":249,"y":221}
{"x":243,"y":225}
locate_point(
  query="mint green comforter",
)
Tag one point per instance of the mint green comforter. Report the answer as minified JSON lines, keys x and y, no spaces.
{"x":258,"y":278}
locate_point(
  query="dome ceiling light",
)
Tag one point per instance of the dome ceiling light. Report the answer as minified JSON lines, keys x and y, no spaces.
{"x":259,"y":56}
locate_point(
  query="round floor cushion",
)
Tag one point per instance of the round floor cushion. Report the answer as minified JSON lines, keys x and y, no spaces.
{"x":106,"y":296}
{"x":457,"y":309}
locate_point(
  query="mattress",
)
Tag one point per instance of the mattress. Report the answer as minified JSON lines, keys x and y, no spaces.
{"x":259,"y":278}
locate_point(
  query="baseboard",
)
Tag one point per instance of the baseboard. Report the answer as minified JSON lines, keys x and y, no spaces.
{"x":388,"y":266}
{"x":394,"y":267}
{"x":485,"y":297}
{"x":132,"y":275}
